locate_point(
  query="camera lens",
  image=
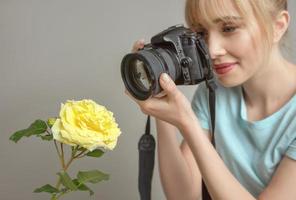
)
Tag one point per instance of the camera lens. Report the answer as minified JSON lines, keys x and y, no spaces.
{"x":141,"y":71}
{"x":140,"y":75}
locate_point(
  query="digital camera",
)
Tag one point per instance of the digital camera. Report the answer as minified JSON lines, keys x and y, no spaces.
{"x":177,"y":51}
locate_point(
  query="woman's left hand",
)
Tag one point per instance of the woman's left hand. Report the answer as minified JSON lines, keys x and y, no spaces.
{"x":173,"y":108}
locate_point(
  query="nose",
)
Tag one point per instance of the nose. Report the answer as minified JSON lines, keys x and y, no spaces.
{"x":216,"y":46}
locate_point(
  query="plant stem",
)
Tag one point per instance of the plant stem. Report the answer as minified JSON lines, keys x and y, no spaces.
{"x":68,"y":164}
{"x":61,"y":194}
{"x":56,"y":146}
{"x":77,"y":156}
{"x":65,"y":167}
{"x":58,"y":152}
{"x":54,"y":196}
{"x":62,"y":155}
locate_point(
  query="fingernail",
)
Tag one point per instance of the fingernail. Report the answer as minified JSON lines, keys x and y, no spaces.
{"x":165,"y":77}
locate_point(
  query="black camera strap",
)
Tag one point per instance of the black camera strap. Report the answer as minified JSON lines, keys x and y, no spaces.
{"x":212,"y":105}
{"x":146,"y":148}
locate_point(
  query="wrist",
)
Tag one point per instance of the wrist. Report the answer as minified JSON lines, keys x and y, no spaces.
{"x":161,"y":122}
{"x":187,"y":122}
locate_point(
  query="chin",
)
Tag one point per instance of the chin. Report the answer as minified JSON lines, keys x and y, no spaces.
{"x":228,"y":82}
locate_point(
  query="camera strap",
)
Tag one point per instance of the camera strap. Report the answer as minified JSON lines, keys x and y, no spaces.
{"x":146,"y":147}
{"x":212,"y":105}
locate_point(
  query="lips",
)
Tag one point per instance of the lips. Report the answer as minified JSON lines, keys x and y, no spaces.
{"x":224,"y":68}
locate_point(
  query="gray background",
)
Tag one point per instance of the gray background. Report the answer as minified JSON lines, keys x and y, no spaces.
{"x":54,"y":50}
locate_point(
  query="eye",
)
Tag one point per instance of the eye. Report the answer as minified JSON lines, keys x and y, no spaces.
{"x":229,"y":28}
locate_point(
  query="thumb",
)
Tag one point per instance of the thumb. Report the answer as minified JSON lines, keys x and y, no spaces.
{"x":168,"y":85}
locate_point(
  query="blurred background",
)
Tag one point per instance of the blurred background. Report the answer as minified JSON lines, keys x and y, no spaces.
{"x":55,"y":50}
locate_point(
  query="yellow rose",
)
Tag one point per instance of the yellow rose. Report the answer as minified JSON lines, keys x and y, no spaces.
{"x":86,"y":124}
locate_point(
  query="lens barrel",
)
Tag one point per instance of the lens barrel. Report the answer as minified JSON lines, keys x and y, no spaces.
{"x":140,"y":71}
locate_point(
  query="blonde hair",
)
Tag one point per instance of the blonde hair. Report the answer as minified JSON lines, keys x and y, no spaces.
{"x":264,"y":11}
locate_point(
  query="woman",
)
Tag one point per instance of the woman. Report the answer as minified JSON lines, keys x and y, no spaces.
{"x":255,"y":132}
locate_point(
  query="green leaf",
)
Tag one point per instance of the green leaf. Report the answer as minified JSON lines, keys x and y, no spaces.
{"x":46,"y":137}
{"x":83,"y":187}
{"x":35,"y":128}
{"x":93,"y":176}
{"x":67,"y":181}
{"x":95,"y":153}
{"x":47,"y":188}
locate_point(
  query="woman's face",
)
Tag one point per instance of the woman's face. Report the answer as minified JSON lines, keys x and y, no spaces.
{"x":234,"y":50}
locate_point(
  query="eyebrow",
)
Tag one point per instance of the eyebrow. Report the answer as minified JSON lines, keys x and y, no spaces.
{"x":221,"y":19}
{"x":227,"y":18}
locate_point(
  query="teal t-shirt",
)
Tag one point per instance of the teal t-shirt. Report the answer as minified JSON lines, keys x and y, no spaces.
{"x":251,"y":150}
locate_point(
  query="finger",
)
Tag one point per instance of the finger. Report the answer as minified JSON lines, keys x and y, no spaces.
{"x":155,"y":106}
{"x":168,"y":85}
{"x":138,"y":45}
{"x":160,"y":95}
{"x":150,"y":106}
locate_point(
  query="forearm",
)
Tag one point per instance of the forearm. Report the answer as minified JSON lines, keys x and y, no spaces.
{"x":176,"y":176}
{"x":222,"y":185}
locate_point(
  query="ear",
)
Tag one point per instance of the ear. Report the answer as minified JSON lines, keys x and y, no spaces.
{"x":281,"y":25}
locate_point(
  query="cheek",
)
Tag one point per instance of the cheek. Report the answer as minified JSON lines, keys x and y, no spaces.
{"x":244,"y":49}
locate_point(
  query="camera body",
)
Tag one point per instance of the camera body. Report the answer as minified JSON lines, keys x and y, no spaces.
{"x":177,"y":51}
{"x":194,"y":61}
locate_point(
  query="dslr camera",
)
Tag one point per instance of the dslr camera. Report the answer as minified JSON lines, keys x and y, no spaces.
{"x":177,"y":51}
